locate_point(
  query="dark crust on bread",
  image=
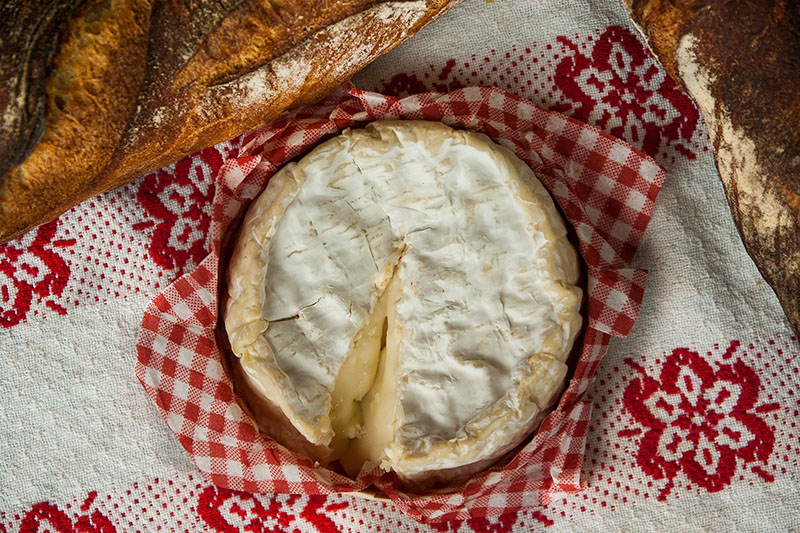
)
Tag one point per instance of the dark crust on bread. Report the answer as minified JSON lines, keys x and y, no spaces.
{"x":200,"y":55}
{"x":30,"y":34}
{"x":750,"y":51}
{"x":132,"y":85}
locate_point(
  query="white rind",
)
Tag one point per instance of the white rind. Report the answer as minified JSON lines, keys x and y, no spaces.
{"x":482,"y":306}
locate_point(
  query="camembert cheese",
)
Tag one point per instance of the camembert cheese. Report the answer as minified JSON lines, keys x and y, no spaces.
{"x":403,"y":296}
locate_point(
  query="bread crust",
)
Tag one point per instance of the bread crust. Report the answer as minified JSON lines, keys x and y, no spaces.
{"x":741,"y":63}
{"x":124,"y":87}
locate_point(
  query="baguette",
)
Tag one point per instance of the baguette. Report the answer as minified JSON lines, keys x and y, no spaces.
{"x":95,"y":93}
{"x":741,"y":63}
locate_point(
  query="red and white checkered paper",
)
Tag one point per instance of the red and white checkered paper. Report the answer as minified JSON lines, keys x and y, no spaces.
{"x":605,"y":188}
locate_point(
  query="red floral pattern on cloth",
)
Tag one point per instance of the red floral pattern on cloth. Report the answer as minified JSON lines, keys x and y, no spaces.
{"x":46,"y":516}
{"x":227,"y":511}
{"x":444,"y":81}
{"x":699,"y":420}
{"x":610,"y":80}
{"x":614,"y":472}
{"x":620,"y":88}
{"x":33,"y":270}
{"x":177,"y":204}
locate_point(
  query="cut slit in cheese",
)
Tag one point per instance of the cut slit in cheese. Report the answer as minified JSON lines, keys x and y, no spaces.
{"x":360,"y":372}
{"x":378,"y":407}
{"x":450,"y":242}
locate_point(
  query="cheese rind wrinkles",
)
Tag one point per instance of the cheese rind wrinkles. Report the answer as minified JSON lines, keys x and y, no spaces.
{"x":405,"y":296}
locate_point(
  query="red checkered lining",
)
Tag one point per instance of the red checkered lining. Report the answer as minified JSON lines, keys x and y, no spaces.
{"x":605,"y":188}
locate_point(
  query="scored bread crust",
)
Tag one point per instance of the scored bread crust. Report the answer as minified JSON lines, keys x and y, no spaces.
{"x":741,"y":63}
{"x":131,"y":85}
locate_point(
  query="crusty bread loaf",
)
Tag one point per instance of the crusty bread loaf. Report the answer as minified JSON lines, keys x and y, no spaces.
{"x":741,"y":63}
{"x":94,"y":93}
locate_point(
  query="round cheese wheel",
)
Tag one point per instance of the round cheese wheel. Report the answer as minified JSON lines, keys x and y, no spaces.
{"x":404,"y":297}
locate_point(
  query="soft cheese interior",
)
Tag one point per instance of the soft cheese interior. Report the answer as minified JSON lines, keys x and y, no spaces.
{"x":404,"y":296}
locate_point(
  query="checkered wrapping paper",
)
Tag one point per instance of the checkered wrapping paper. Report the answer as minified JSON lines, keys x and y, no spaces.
{"x":605,"y":188}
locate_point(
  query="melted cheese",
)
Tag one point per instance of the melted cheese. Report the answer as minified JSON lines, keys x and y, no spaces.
{"x":404,"y":296}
